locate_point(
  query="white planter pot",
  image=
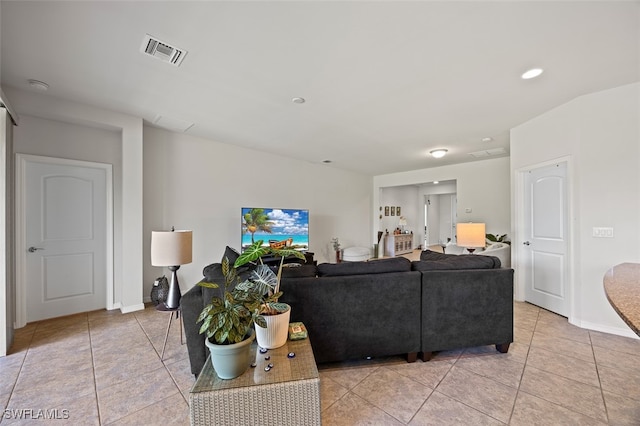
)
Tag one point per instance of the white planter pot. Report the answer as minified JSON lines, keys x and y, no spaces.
{"x":230,"y":361}
{"x":277,"y":331}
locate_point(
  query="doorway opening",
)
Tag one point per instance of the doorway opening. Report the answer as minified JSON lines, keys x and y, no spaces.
{"x":429,"y":210}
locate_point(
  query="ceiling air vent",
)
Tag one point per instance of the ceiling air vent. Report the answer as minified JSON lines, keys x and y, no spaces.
{"x":163,"y":51}
{"x":488,"y":152}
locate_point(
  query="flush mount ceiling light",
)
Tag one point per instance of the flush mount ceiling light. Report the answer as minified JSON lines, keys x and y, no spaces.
{"x":438,"y":153}
{"x":298,"y":100}
{"x":38,"y":85}
{"x":532,"y":73}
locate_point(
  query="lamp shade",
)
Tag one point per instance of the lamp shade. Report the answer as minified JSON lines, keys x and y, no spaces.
{"x":171,"y":248}
{"x":471,"y":235}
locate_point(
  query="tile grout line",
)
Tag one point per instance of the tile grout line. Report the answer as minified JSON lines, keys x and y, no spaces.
{"x":20,"y":369}
{"x":164,"y":364}
{"x":526,"y":360}
{"x":595,"y":360}
{"x":349,"y":392}
{"x":567,"y":378}
{"x":93,"y":367}
{"x":432,"y":391}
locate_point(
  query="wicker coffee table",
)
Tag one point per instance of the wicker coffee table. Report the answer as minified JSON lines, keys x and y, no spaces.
{"x":287,"y":394}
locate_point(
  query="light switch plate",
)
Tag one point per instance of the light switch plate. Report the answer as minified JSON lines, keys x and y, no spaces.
{"x":602,"y":232}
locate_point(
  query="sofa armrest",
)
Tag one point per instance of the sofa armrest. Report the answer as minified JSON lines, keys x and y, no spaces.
{"x":191,"y":305}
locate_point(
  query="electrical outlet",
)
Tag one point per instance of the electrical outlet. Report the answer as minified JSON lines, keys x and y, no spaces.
{"x":602,"y":232}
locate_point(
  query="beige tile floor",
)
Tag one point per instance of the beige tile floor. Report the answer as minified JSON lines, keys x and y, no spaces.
{"x":104,"y":368}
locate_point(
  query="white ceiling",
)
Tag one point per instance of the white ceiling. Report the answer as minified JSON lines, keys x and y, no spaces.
{"x":385,"y":82}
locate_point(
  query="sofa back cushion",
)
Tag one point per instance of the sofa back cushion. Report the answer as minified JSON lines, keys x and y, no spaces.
{"x":381,"y":266}
{"x":431,"y":260}
{"x":297,"y":271}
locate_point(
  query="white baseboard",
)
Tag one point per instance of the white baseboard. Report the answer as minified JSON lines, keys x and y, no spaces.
{"x":618,"y":331}
{"x":132,"y":308}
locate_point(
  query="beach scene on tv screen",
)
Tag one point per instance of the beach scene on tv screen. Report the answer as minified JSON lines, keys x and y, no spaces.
{"x":276,"y":227}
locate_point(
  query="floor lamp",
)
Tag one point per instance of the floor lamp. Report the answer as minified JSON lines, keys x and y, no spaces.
{"x":471,"y":235}
{"x":171,"y":249}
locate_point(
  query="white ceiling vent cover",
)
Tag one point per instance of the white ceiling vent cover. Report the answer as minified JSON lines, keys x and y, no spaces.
{"x":488,"y":152}
{"x":163,"y":51}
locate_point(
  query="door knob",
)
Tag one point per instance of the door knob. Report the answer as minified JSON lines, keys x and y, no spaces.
{"x":32,"y":249}
{"x":526,"y":243}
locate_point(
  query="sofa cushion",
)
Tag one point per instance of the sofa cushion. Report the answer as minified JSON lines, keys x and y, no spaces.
{"x":438,"y":261}
{"x":381,"y":266}
{"x":434,"y":255}
{"x":213,"y":274}
{"x":230,"y":253}
{"x":297,"y":270}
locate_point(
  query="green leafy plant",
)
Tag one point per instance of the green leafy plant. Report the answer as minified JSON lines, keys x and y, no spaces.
{"x":498,"y":238}
{"x":240,"y":304}
{"x":255,"y":252}
{"x":228,"y":317}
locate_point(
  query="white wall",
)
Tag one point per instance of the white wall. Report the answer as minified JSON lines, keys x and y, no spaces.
{"x":600,"y":135}
{"x":7,"y":256}
{"x":482,"y":186}
{"x":407,"y":198}
{"x":52,"y":138}
{"x":189,"y":183}
{"x":198,"y":184}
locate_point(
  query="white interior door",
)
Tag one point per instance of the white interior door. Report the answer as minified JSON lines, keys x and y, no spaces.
{"x":65,"y":211}
{"x":545,"y":238}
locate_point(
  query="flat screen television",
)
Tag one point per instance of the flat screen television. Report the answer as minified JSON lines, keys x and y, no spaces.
{"x":276,"y":227}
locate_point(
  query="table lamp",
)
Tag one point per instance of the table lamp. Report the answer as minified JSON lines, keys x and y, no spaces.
{"x":171,"y":249}
{"x":470,"y":235}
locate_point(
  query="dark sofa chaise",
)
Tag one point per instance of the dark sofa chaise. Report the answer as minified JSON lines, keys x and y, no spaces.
{"x":467,"y":301}
{"x":386,"y":307}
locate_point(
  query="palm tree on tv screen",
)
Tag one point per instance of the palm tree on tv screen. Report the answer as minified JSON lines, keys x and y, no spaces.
{"x":256,"y":220}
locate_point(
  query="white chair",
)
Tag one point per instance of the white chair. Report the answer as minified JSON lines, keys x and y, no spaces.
{"x":356,"y":254}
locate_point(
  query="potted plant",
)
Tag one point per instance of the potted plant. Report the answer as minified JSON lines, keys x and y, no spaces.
{"x":497,"y":238}
{"x":273,"y":326}
{"x":227,"y":321}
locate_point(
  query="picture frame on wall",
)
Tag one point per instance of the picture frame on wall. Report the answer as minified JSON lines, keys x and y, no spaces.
{"x":393,"y":210}
{"x":398,"y":211}
{"x":386,"y":210}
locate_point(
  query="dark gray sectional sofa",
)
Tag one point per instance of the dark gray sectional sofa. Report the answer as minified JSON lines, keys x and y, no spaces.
{"x":386,"y":307}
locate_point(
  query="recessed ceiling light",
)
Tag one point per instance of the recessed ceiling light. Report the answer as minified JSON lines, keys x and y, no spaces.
{"x":532,"y":73}
{"x":435,"y":182}
{"x":37,"y":84}
{"x":487,"y":139}
{"x":298,"y":100}
{"x":326,"y":161}
{"x":438,"y":153}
